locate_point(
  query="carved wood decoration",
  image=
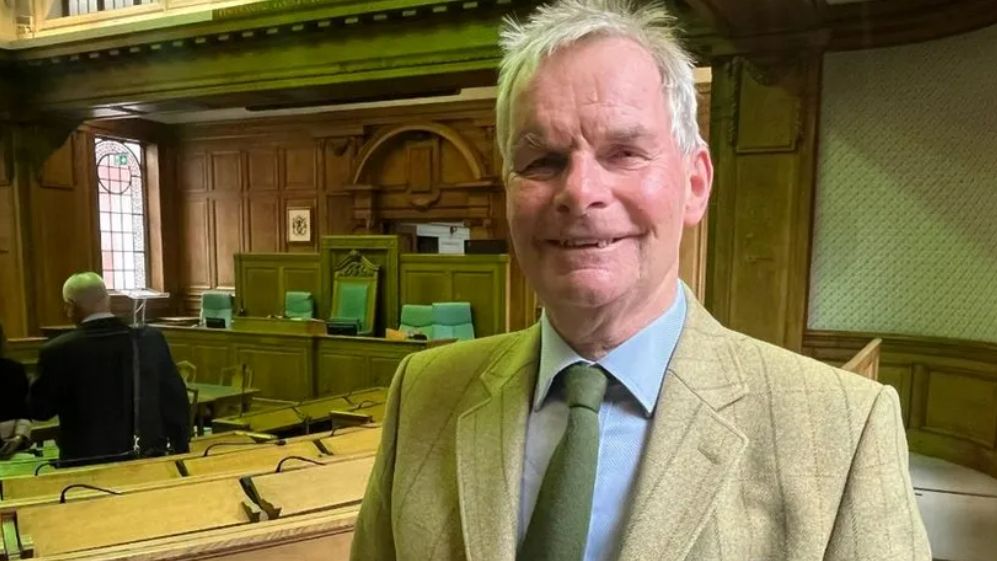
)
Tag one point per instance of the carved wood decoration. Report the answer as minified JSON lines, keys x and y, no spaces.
{"x":421,"y":172}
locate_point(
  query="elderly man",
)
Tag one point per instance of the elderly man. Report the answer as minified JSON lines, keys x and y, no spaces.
{"x":628,"y":424}
{"x":87,"y":378}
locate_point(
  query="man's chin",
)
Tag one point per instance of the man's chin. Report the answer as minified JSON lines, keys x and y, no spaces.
{"x":582,"y":295}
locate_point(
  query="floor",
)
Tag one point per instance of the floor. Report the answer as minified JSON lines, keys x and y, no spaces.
{"x":959,"y":508}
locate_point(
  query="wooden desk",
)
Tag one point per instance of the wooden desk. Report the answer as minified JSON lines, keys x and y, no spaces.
{"x":313,"y":489}
{"x":312,"y":412}
{"x":291,"y":366}
{"x":75,"y":526}
{"x":256,"y":459}
{"x":54,"y":482}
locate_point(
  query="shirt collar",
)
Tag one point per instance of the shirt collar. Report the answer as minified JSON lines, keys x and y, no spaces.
{"x":97,"y":316}
{"x":639,"y":363}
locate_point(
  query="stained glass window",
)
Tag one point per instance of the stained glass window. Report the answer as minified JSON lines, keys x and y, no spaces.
{"x":121,"y":200}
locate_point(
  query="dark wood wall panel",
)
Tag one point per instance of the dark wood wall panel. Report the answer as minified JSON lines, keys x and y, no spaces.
{"x":264,"y":216}
{"x":62,"y":209}
{"x":195,"y":262}
{"x":228,"y":239}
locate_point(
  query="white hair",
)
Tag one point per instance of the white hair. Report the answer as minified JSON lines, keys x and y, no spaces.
{"x":84,"y":288}
{"x":566,"y":22}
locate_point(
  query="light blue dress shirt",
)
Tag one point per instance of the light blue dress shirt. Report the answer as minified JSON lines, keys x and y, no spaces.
{"x":637,"y":369}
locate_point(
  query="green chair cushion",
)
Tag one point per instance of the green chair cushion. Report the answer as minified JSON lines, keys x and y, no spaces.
{"x":417,"y":318}
{"x":452,"y":320}
{"x":299,"y":305}
{"x":352,"y":302}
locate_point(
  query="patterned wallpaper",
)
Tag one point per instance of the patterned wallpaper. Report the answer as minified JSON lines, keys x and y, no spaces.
{"x":905,"y":233}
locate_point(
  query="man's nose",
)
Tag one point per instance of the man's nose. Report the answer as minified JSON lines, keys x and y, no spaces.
{"x":584,"y":188}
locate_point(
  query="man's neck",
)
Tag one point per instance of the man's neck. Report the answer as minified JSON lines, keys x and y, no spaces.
{"x":594,"y":332}
{"x":97,"y":316}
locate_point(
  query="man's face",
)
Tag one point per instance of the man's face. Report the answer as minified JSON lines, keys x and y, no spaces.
{"x":599,"y":192}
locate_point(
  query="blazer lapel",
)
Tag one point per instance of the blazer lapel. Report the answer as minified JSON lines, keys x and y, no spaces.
{"x":491,"y":435}
{"x":692,"y":450}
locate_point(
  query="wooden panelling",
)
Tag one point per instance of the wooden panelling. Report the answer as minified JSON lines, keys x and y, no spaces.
{"x":763,"y":141}
{"x":291,"y":366}
{"x":228,"y":239}
{"x":194,"y":244}
{"x":963,"y":405}
{"x":59,"y":171}
{"x":12,"y":304}
{"x":947,"y":388}
{"x":300,"y":168}
{"x":262,"y":169}
{"x":62,"y":207}
{"x":264,"y":215}
{"x":226,"y":172}
{"x":349,"y":364}
{"x":482,"y":280}
{"x":263,"y":279}
{"x":269,"y":362}
{"x":192,"y":172}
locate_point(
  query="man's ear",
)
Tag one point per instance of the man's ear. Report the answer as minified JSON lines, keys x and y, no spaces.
{"x":700,"y":183}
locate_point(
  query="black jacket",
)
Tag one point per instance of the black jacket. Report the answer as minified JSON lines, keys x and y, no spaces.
{"x":13,"y":390}
{"x":86,"y":378}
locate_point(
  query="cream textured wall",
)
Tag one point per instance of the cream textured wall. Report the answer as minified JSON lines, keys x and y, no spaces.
{"x":905,"y":233}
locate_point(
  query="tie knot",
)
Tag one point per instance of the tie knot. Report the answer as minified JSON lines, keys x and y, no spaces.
{"x":584,"y":386}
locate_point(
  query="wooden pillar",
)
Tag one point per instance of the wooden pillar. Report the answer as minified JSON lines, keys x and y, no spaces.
{"x":45,"y":222}
{"x":763,"y":130}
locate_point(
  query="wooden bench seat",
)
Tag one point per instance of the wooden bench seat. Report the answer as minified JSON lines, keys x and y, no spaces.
{"x":333,"y":485}
{"x":322,"y":536}
{"x":361,"y":406}
{"x":255,"y":459}
{"x":360,"y":440}
{"x":52,"y":529}
{"x":53,"y":483}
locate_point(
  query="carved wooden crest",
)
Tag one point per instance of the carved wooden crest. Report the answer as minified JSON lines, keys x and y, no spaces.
{"x":356,"y":265}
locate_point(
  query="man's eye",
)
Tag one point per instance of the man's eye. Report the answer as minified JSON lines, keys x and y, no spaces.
{"x":544,"y":165}
{"x":625,"y":154}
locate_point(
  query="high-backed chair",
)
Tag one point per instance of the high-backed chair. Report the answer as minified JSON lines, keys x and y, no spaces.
{"x":452,"y":320}
{"x":217,"y":305}
{"x":299,"y":305}
{"x":187,"y":371}
{"x":417,"y":318}
{"x":354,"y":292}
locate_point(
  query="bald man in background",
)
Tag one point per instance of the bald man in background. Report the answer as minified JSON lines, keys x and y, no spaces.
{"x":86,"y":377}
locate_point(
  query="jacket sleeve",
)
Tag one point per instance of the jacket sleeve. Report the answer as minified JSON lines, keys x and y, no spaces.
{"x":878,"y":517}
{"x":43,"y":395}
{"x":174,"y":406}
{"x":373,"y":537}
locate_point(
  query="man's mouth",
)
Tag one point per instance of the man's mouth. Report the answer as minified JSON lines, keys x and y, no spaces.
{"x":584,"y":243}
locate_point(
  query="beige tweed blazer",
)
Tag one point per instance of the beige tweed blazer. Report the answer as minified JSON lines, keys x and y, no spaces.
{"x":755,"y":453}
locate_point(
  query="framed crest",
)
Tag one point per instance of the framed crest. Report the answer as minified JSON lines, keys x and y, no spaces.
{"x":299,"y":225}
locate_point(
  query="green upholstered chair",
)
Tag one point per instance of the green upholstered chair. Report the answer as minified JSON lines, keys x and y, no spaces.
{"x":354,"y":292}
{"x":299,"y":305}
{"x":217,"y":305}
{"x":452,"y":320}
{"x":417,"y":318}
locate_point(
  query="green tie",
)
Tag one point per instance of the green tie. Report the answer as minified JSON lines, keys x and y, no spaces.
{"x":559,"y":526}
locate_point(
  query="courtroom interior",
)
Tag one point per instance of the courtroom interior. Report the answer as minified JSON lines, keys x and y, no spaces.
{"x":299,"y":195}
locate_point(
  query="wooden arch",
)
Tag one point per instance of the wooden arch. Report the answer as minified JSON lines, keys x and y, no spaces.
{"x":470,"y":154}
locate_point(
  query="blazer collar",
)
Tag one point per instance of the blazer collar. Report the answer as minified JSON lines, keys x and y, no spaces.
{"x":491,"y":435}
{"x":692,"y":450}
